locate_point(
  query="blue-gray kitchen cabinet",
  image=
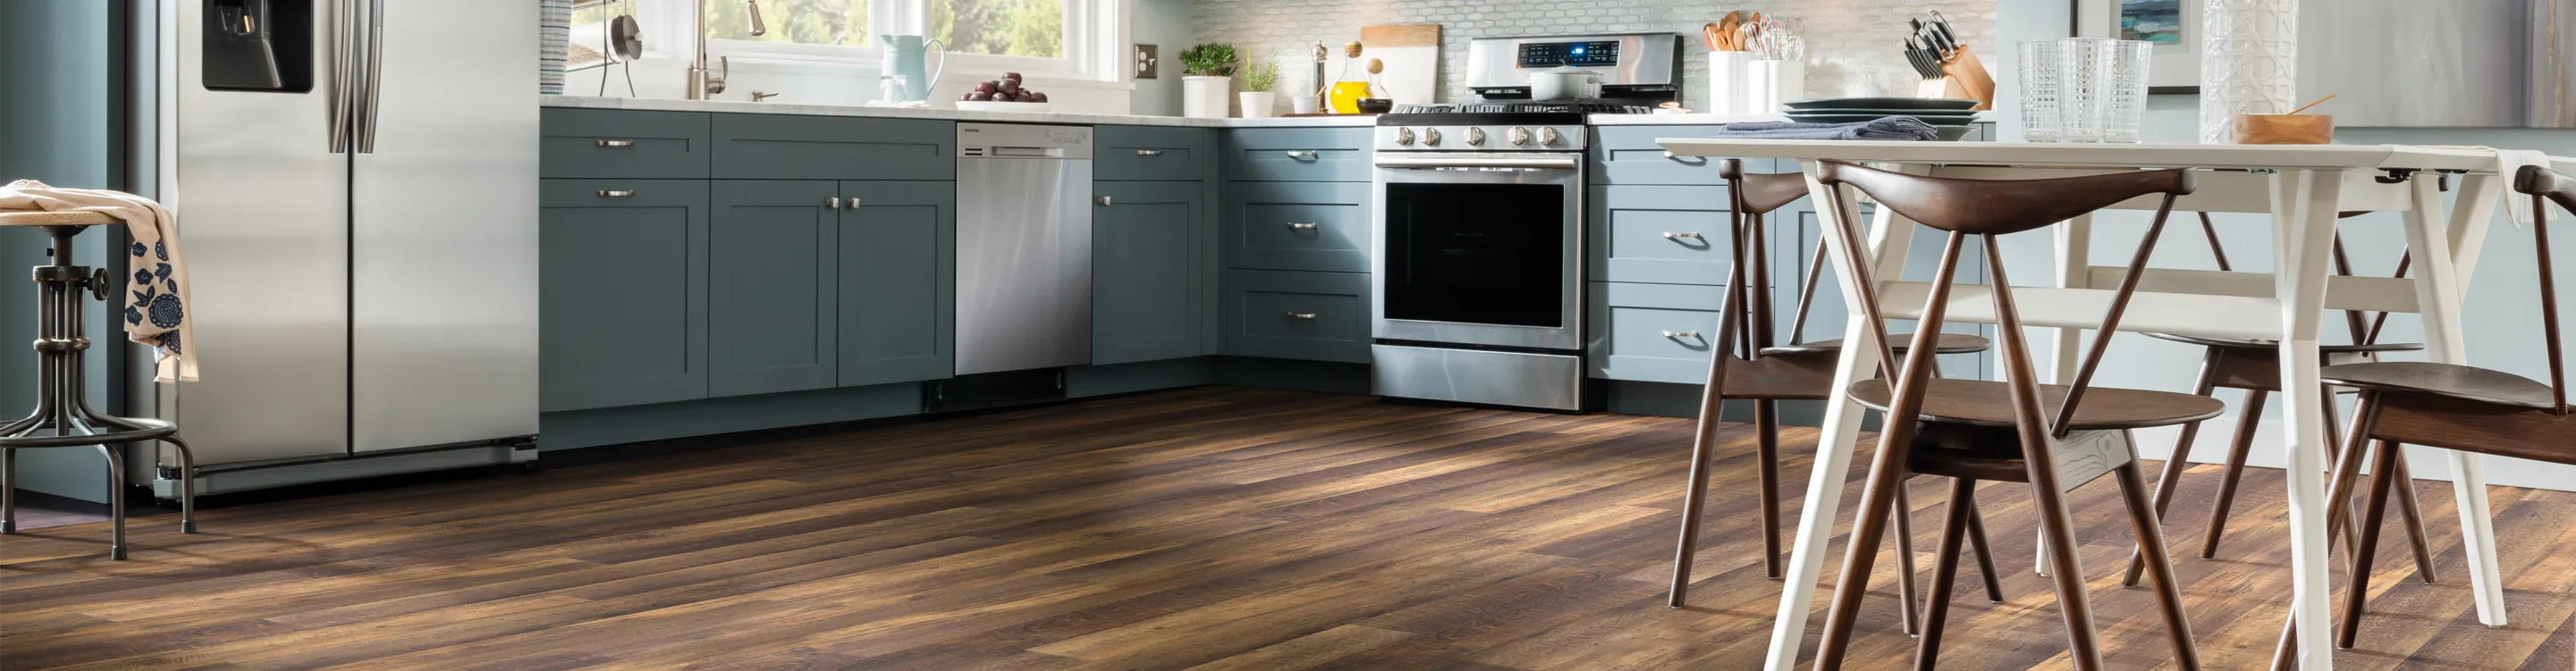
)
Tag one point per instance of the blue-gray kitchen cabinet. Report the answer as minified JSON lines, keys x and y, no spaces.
{"x":771,"y":251}
{"x":897,"y":281}
{"x":765,"y":146}
{"x":1297,"y":315}
{"x":1336,"y":154}
{"x":629,"y":144}
{"x":1315,"y":226}
{"x":1652,"y":332}
{"x":1631,"y":155}
{"x":1661,"y":234}
{"x":624,"y":304}
{"x":1153,"y":154}
{"x":1147,"y":271}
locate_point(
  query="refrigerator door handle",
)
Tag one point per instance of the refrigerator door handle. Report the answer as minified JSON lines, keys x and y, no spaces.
{"x":375,"y":75}
{"x":343,"y":74}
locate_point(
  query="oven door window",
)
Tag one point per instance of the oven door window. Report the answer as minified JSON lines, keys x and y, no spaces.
{"x":1476,"y":253}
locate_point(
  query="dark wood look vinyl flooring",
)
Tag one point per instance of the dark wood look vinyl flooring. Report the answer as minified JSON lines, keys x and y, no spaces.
{"x":1211,"y":528}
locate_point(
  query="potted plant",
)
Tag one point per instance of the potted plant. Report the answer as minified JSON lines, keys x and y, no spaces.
{"x":1207,"y":74}
{"x":1259,"y":80}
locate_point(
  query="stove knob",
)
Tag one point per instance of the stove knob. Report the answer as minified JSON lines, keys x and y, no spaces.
{"x":1475,"y":136}
{"x":1548,"y":136}
{"x":1520,"y":136}
{"x":1404,"y":136}
{"x":1431,"y":137}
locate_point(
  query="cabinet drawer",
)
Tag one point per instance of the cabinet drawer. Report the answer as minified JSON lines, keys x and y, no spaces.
{"x":622,"y":144}
{"x":1293,"y":315}
{"x":1300,"y":226}
{"x":1630,"y":323}
{"x":1665,"y":234}
{"x":1630,"y":155}
{"x":763,"y":146}
{"x":1298,"y":154}
{"x":1150,"y":154}
{"x":623,"y":293}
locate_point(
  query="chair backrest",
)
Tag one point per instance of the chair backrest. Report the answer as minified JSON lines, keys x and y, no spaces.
{"x":1990,"y":208}
{"x":2547,"y":186}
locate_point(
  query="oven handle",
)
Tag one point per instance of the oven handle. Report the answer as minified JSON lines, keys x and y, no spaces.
{"x":1567,"y":162}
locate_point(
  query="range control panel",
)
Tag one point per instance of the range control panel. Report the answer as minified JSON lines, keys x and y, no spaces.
{"x":1580,"y":54}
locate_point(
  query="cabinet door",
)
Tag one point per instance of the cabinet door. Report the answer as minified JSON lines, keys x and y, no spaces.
{"x":624,"y":292}
{"x":1145,"y":289}
{"x":898,"y":282}
{"x":771,"y":253}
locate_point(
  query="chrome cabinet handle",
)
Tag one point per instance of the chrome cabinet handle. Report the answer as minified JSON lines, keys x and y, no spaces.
{"x":1149,"y":152}
{"x":1302,"y":227}
{"x":1301,"y":315}
{"x":1303,"y":155}
{"x":616,"y":143}
{"x":616,"y":193}
{"x":1105,"y":201}
{"x":1669,"y":235}
{"x":833,"y":203}
{"x":1677,"y":335}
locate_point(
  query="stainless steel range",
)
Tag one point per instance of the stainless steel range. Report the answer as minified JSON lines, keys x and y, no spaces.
{"x":1479,"y":246}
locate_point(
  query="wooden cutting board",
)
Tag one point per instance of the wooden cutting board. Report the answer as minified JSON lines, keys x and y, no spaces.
{"x":1412,"y":56}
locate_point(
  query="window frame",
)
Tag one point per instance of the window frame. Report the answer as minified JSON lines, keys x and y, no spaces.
{"x":1091,"y":30}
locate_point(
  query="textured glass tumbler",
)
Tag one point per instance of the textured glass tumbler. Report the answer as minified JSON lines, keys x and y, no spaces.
{"x":2080,"y":72}
{"x":2124,"y":84}
{"x":2041,"y":119}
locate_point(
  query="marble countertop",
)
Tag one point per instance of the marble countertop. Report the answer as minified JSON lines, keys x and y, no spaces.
{"x":740,"y":107}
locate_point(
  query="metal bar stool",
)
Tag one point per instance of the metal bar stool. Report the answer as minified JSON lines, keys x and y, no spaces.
{"x":63,"y":417}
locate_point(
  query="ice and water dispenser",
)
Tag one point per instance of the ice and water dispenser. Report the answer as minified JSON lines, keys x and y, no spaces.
{"x":258,"y":45}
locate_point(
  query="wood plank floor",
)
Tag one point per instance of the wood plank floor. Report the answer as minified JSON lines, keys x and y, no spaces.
{"x":1213,"y":528}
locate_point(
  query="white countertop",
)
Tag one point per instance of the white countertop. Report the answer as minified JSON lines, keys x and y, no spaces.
{"x":740,"y":107}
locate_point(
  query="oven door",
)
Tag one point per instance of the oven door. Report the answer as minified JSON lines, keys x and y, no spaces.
{"x":1481,"y":249}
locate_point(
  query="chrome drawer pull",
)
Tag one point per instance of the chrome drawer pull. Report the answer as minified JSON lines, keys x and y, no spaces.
{"x":616,"y":143}
{"x":1677,"y":335}
{"x":616,"y":193}
{"x":1303,"y":154}
{"x":833,"y":203}
{"x":1149,"y":152}
{"x":1302,"y":227}
{"x":1105,"y":201}
{"x":1669,"y":235}
{"x":1301,"y":315}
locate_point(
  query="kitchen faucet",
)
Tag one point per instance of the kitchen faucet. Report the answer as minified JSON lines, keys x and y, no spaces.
{"x":701,"y":85}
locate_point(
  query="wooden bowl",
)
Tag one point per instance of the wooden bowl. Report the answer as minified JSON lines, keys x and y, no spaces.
{"x":2285,"y":129}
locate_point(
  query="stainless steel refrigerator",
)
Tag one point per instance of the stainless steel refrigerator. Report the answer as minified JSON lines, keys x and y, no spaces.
{"x":356,"y":186}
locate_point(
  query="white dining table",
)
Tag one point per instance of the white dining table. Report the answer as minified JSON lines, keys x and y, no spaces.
{"x":2302,"y":188}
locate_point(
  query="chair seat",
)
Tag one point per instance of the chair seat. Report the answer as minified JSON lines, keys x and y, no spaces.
{"x":1782,"y":377}
{"x":2253,"y":343}
{"x":1950,"y":343}
{"x":55,"y":219}
{"x":2447,"y":380}
{"x":1984,"y":403}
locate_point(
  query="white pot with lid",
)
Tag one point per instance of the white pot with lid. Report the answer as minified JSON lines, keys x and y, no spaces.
{"x":1564,"y":83}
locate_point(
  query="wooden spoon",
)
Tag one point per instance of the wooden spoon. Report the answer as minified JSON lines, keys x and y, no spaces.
{"x":1726,"y":31}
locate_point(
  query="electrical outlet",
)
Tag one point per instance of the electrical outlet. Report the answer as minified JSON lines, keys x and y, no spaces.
{"x":1149,"y":62}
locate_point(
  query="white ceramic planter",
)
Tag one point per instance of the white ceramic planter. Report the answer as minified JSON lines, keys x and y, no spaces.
{"x":1259,"y":104}
{"x":1204,"y":97}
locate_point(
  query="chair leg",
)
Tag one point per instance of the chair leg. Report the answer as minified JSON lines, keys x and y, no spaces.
{"x":115,"y":500}
{"x":8,"y":491}
{"x":1945,"y":570}
{"x":187,"y":485}
{"x":2075,"y":607}
{"x":1766,"y":421}
{"x":1906,"y":590}
{"x":2413,"y":515}
{"x":2158,"y":565}
{"x":1985,"y":553}
{"x":1701,"y":450}
{"x":2170,"y":475}
{"x":2247,"y":421}
{"x":2356,"y":596}
{"x":2334,"y":436}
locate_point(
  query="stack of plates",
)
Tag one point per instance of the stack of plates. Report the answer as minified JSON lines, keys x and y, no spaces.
{"x":1952,"y":116}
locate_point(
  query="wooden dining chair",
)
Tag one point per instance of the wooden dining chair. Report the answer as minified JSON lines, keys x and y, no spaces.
{"x":1751,"y":368}
{"x":2254,"y":366}
{"x":2454,"y":406}
{"x":1973,"y":430}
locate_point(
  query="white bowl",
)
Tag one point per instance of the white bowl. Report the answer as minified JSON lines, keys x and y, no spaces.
{"x":990,"y":106}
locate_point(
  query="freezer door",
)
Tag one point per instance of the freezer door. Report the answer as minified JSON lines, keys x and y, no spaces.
{"x":444,"y":228}
{"x":263,"y":213}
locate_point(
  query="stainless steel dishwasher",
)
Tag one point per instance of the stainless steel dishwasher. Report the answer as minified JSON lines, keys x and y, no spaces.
{"x":1023,"y":247}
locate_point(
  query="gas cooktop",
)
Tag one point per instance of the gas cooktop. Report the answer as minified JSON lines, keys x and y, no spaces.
{"x":1504,"y":112}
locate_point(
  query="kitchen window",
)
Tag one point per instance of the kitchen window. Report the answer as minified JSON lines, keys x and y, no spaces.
{"x":1059,"y":39}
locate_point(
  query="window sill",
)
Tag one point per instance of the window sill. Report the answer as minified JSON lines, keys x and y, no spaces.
{"x":771,"y":64}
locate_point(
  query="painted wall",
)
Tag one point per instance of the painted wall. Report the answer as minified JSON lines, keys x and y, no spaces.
{"x":1854,"y":45}
{"x":2503,"y":320}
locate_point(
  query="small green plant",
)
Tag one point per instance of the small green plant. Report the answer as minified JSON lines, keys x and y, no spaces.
{"x":1262,"y":75}
{"x":1208,"y":60}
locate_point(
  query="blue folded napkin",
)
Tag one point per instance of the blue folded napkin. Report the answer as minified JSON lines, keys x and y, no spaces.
{"x":1882,"y":128}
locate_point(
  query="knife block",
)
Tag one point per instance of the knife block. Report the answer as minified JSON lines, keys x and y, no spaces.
{"x":1967,"y":79}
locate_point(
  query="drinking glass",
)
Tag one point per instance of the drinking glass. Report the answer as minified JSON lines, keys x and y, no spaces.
{"x":2125,"y":89}
{"x":2081,"y":89}
{"x":2041,"y":119}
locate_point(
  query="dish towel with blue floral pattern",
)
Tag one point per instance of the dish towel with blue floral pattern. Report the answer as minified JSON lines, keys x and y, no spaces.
{"x":156,"y":311}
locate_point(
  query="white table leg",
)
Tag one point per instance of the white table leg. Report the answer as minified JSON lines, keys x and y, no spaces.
{"x":2438,"y":293}
{"x":2300,"y":272}
{"x":2074,"y":251}
{"x":1834,"y":447}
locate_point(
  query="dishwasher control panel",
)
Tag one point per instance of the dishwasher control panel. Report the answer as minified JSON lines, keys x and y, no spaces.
{"x":1012,"y":140}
